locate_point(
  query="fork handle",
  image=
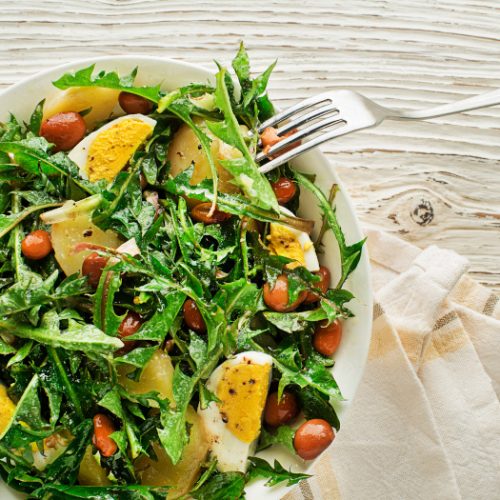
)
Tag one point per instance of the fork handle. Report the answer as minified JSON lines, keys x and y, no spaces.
{"x":479,"y":101}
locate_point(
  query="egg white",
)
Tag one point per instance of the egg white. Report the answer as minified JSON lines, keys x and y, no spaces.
{"x":80,"y":152}
{"x":231,"y":453}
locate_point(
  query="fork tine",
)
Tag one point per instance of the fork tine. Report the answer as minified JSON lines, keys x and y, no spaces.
{"x":299,"y":135}
{"x":306,"y":146}
{"x":300,"y":120}
{"x":274,"y":120}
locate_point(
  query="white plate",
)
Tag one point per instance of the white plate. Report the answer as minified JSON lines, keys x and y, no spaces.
{"x":21,"y":99}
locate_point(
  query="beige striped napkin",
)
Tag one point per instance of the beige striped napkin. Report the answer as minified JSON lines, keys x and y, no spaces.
{"x":425,"y":423}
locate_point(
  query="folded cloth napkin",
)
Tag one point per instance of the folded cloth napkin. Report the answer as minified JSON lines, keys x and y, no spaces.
{"x":425,"y":422}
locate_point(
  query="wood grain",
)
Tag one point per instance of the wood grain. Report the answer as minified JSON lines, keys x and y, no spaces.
{"x":436,"y":182}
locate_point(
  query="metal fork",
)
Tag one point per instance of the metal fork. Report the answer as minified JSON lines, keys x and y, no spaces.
{"x":333,"y":114}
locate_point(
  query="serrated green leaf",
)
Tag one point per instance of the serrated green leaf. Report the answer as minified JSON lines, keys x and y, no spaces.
{"x":16,"y":433}
{"x":316,"y":405}
{"x":274,"y":475}
{"x":138,"y":357}
{"x":66,"y":466}
{"x":36,"y":118}
{"x":105,"y":317}
{"x":173,"y":434}
{"x":222,"y":486}
{"x":241,"y":66}
{"x":85,"y":78}
{"x":311,"y":374}
{"x":160,"y":323}
{"x":113,"y":492}
{"x":349,"y":254}
{"x":258,"y":85}
{"x":6,"y":348}
{"x":21,"y":354}
{"x":77,"y":337}
{"x":230,"y":203}
{"x":283,"y":436}
{"x":244,"y":170}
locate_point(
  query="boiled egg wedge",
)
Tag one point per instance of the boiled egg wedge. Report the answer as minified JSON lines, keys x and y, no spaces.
{"x":233,"y":424}
{"x":105,"y":152}
{"x":289,"y":242}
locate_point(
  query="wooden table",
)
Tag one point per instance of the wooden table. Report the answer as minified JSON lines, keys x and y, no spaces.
{"x":436,"y":182}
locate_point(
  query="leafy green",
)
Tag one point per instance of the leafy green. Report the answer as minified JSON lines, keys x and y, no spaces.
{"x":65,"y":467}
{"x":316,"y":405}
{"x":11,"y":130}
{"x":55,"y":382}
{"x":283,"y":435}
{"x":36,"y":118}
{"x":210,"y":469}
{"x":310,"y":373}
{"x":138,"y":357}
{"x":115,"y":492}
{"x":230,"y":203}
{"x":244,"y":170}
{"x":8,"y":222}
{"x":239,"y":297}
{"x":105,"y":316}
{"x":330,"y":308}
{"x":222,"y":486}
{"x":253,"y":103}
{"x":33,"y":157}
{"x":274,"y":475}
{"x":182,"y":108}
{"x":191,"y":90}
{"x":241,"y":66}
{"x":173,"y":434}
{"x":111,"y":80}
{"x":349,"y":254}
{"x":259,"y":85}
{"x":112,"y":402}
{"x":32,"y":291}
{"x":161,"y":322}
{"x":76,"y":337}
{"x":17,"y":433}
{"x":6,"y":348}
{"x":294,"y":321}
{"x":123,"y":208}
{"x":21,"y":353}
{"x":197,"y":350}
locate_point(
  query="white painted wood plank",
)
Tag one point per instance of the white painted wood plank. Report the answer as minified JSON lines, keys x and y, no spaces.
{"x":404,"y":54}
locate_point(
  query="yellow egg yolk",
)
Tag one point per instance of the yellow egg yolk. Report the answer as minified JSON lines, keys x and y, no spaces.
{"x":112,"y":148}
{"x":7,"y":409}
{"x":284,"y":242}
{"x":242,"y":391}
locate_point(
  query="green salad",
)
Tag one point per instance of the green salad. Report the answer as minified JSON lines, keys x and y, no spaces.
{"x":163,"y":313}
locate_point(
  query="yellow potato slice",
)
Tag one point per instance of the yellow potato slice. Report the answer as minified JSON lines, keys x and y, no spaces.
{"x":157,"y":376}
{"x":185,"y":149}
{"x":66,"y":234}
{"x":90,"y":472}
{"x":7,"y":409}
{"x":51,"y":449}
{"x":102,"y":101}
{"x":183,"y":475}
